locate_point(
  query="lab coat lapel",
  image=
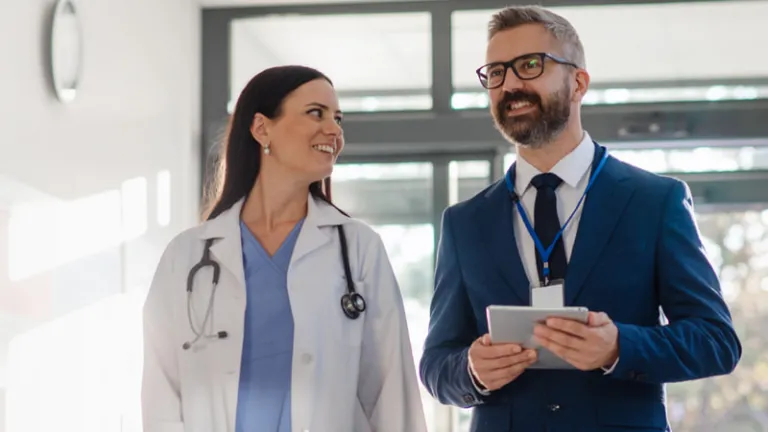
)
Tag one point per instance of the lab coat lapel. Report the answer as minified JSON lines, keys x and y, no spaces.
{"x":319,"y":214}
{"x":230,"y":302}
{"x":305,"y":270}
{"x":227,"y":248}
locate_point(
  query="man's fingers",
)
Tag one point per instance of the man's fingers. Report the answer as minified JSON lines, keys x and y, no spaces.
{"x":569,"y":326}
{"x":561,"y":338}
{"x":502,"y":377}
{"x":496,"y":365}
{"x":570,"y":355}
{"x":491,"y":352}
{"x":504,"y":363}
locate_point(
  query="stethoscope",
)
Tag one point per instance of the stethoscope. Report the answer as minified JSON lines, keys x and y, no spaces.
{"x":352,"y":302}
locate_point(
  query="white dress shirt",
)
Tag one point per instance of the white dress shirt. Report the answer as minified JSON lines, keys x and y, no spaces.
{"x":574,"y":170}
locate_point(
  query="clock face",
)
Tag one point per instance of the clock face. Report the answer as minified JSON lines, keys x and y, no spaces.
{"x":65,"y":50}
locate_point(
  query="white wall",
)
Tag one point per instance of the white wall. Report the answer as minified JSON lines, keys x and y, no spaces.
{"x":80,"y":232}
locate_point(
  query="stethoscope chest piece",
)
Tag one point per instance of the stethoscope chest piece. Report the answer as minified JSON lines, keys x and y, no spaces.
{"x":352,"y":304}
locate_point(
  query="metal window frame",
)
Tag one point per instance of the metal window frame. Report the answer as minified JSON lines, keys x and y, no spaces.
{"x":444,"y":130}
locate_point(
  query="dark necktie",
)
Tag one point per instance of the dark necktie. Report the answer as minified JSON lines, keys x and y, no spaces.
{"x":547,"y":225}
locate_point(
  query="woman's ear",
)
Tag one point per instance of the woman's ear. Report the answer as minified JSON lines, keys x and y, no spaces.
{"x":260,"y":129}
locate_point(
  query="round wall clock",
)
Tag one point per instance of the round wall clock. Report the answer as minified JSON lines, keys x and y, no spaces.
{"x":66,"y":50}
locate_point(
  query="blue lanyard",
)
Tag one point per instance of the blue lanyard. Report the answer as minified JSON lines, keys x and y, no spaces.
{"x":545,"y":253}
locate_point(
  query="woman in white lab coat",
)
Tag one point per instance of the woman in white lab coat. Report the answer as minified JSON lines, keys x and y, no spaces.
{"x":282,"y":343}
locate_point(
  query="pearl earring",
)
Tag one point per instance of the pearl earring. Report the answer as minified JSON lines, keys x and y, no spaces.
{"x":267,"y":150}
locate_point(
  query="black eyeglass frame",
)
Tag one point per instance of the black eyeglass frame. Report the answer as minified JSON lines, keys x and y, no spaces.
{"x":511,"y":65}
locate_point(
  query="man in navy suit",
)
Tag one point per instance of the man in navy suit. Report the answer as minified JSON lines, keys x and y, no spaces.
{"x":623,"y":241}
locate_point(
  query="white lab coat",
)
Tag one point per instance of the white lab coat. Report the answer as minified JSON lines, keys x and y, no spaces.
{"x":347,"y":375}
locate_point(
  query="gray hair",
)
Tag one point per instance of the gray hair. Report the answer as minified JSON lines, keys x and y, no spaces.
{"x":559,"y":27}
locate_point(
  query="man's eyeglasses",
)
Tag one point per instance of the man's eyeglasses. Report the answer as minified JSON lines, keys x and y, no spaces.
{"x":525,"y":67}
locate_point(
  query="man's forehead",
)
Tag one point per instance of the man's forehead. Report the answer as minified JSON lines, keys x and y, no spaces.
{"x":508,"y":44}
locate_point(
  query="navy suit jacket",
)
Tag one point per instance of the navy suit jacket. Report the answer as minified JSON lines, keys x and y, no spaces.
{"x":637,"y":249}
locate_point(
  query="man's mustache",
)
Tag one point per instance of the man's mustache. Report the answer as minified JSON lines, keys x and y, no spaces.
{"x":519,"y":96}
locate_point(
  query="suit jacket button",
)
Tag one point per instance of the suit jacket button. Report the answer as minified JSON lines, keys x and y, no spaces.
{"x":468,"y":398}
{"x":554,"y":407}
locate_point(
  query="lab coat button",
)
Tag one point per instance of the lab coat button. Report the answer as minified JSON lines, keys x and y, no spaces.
{"x":307,"y":359}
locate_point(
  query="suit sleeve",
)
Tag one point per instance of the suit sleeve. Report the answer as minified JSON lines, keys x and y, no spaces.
{"x":160,"y":389}
{"x":444,"y":366}
{"x":388,"y":388}
{"x":699,"y":340}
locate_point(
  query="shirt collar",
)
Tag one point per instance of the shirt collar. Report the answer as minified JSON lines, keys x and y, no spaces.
{"x":570,"y":169}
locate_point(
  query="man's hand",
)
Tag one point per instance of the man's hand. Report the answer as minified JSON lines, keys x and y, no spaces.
{"x":585,"y":346}
{"x":494,"y":366}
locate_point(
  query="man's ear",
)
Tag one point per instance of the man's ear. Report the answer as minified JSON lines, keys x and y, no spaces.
{"x":260,"y":129}
{"x":582,"y":85}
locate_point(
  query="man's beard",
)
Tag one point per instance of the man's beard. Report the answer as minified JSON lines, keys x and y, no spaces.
{"x":539,"y":127}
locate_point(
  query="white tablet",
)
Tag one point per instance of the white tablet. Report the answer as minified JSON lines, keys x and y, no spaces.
{"x":514,"y":324}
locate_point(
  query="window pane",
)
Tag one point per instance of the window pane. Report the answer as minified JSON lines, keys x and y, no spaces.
{"x":737,"y":245}
{"x":466,"y":179}
{"x":687,"y":160}
{"x":660,"y":51}
{"x":385,"y":194}
{"x":509,"y":159}
{"x":396,"y":199}
{"x":698,"y":159}
{"x":360,"y":53}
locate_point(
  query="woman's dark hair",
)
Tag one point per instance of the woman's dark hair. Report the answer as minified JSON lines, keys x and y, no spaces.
{"x":240,"y":159}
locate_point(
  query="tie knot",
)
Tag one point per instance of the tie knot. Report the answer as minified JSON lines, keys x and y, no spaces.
{"x":548,"y":180}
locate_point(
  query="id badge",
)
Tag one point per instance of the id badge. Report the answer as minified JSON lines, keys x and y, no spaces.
{"x":548,"y":296}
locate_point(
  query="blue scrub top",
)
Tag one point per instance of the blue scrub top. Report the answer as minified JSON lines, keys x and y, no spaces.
{"x":264,"y":394}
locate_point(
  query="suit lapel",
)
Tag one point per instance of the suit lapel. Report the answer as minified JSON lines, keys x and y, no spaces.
{"x":603,"y":208}
{"x":497,"y":234}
